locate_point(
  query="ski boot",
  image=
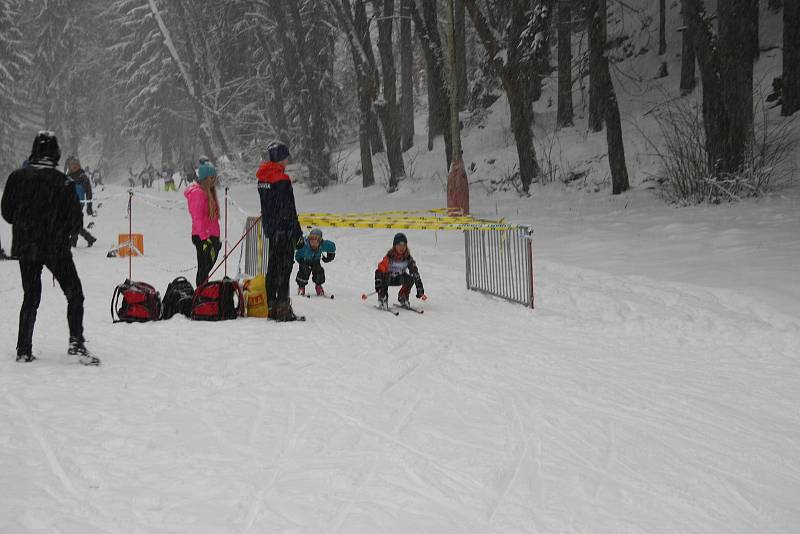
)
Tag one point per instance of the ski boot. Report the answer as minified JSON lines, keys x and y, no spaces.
{"x":26,"y":357}
{"x":301,"y":290}
{"x":77,"y":348}
{"x":320,"y":291}
{"x":403,"y":295}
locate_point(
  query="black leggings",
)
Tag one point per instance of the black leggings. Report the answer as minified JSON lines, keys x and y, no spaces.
{"x":64,"y":271}
{"x":205,"y":258}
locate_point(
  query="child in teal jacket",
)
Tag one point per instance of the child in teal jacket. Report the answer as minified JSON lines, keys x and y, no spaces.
{"x":309,"y":256}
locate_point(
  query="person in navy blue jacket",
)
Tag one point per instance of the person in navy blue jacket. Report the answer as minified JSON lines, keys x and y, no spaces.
{"x":282,"y":228}
{"x":309,"y":258}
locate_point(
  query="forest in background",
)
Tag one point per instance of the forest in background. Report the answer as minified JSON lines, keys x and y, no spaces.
{"x":221,"y":79}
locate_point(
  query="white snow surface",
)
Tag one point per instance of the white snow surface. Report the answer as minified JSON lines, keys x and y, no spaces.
{"x":655,"y":387}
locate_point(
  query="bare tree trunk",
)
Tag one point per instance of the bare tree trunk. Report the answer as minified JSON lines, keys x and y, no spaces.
{"x":365,"y":83}
{"x":521,"y":120}
{"x":519,"y":71}
{"x":388,"y":109}
{"x":791,"y":57}
{"x":565,"y":112}
{"x":688,"y":80}
{"x":662,"y":27}
{"x":406,"y":77}
{"x":597,"y":37}
{"x":616,"y":149}
{"x":726,"y":71}
{"x":461,"y":55}
{"x":736,"y":72}
{"x":438,"y":102}
{"x":362,"y":29}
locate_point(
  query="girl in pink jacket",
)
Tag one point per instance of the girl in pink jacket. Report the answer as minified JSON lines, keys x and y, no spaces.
{"x":204,"y":209}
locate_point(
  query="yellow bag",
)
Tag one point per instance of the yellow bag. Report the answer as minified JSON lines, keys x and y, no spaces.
{"x":255,"y":293}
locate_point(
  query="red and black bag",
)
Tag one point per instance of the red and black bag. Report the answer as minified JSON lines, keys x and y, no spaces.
{"x":135,"y":302}
{"x":218,"y":301}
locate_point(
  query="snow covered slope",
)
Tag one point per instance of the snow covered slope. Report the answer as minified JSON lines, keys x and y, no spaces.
{"x":655,"y":388}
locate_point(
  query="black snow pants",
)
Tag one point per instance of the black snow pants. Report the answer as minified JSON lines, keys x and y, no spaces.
{"x":66,"y":275}
{"x":279,"y":267}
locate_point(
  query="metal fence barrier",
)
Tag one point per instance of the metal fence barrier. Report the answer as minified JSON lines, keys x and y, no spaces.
{"x":500,"y":263}
{"x":256,"y":249}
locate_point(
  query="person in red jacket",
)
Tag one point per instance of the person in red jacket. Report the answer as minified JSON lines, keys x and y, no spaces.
{"x":281,"y":227}
{"x":398,"y":268}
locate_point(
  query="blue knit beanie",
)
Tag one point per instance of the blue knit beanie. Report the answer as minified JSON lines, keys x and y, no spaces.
{"x":399,"y":238}
{"x":205,"y":171}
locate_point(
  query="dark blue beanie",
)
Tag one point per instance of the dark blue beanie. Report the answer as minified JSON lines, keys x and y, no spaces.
{"x":399,"y":238}
{"x":277,"y":151}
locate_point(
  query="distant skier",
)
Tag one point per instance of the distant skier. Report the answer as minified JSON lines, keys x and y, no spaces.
{"x":398,"y":268}
{"x":204,"y":209}
{"x":309,"y":257}
{"x":83,"y":190}
{"x":281,"y":227}
{"x":42,"y":207}
{"x":169,"y":181}
{"x":131,"y":178}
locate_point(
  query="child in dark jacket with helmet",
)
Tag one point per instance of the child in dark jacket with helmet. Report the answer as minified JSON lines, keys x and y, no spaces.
{"x":308,"y":258}
{"x":398,"y":268}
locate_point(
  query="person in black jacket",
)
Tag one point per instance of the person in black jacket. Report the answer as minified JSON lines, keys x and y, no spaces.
{"x":40,"y":204}
{"x":281,"y":227}
{"x":83,"y":190}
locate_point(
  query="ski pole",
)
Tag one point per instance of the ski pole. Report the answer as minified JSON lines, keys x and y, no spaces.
{"x":225,"y":258}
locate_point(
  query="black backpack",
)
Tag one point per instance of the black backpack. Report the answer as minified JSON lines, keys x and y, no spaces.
{"x":177,"y":298}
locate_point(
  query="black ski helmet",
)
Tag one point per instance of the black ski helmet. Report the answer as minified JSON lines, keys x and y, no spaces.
{"x":399,"y":238}
{"x":277,"y":151}
{"x":45,"y":147}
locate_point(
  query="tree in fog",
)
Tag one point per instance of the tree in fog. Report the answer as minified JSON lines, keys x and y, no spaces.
{"x":387,"y":107}
{"x":426,"y":21}
{"x":406,"y":109}
{"x":688,"y":80}
{"x":564,"y":114}
{"x":14,"y":61}
{"x":607,"y":97}
{"x":791,"y":57}
{"x":726,"y":59}
{"x":516,"y":36}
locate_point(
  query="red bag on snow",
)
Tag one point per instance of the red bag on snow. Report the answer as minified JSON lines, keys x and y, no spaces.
{"x":218,"y":301}
{"x":135,"y":302}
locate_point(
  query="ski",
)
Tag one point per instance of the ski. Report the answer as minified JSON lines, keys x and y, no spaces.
{"x":325,"y":296}
{"x":387,"y":309}
{"x":410,"y":308}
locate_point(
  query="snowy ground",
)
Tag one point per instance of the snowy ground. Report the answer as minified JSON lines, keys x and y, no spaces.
{"x":654,"y":389}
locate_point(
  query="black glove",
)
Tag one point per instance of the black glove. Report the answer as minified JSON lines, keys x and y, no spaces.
{"x":420,"y":292}
{"x":300,"y":243}
{"x":328,"y":257}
